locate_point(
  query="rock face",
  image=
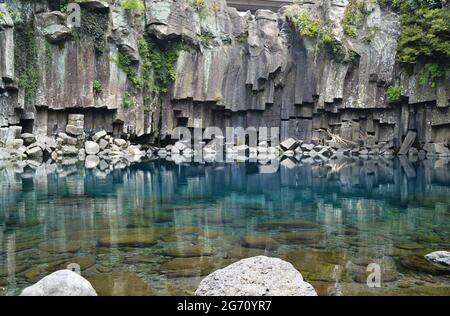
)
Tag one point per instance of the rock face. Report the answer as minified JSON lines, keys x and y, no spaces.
{"x":238,"y":69}
{"x":441,"y":258}
{"x":256,"y":276}
{"x":61,"y":283}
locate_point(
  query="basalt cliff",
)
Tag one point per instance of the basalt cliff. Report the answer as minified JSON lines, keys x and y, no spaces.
{"x":138,"y":72}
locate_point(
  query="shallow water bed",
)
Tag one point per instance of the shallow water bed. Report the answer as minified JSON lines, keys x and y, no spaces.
{"x":158,"y":228}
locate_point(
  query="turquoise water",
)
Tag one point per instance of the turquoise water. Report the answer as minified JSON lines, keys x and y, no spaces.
{"x":157,"y":228}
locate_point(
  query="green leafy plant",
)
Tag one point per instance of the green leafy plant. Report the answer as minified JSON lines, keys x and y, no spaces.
{"x":25,"y":58}
{"x":425,"y":35}
{"x":430,"y":74}
{"x":97,"y":87}
{"x":128,"y":101}
{"x":354,"y":14}
{"x":302,"y":22}
{"x":159,"y":61}
{"x":393,"y":93}
{"x":133,"y":5}
{"x":93,"y":28}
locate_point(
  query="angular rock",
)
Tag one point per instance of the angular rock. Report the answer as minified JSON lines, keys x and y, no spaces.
{"x":91,"y":161}
{"x":35,"y":152}
{"x":99,"y":135}
{"x":103,"y":144}
{"x":56,"y":33}
{"x":92,"y":148}
{"x":61,"y":283}
{"x":120,"y":142}
{"x":289,"y":144}
{"x":74,"y":130}
{"x":69,"y":150}
{"x":28,"y":138}
{"x":256,"y":276}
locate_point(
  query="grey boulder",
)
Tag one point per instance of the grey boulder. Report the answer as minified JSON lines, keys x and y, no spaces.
{"x":61,"y":283}
{"x":92,"y":148}
{"x":256,"y":276}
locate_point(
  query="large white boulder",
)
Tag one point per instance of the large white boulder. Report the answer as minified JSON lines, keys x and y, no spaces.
{"x":92,"y":148}
{"x":256,"y":276}
{"x":61,"y":283}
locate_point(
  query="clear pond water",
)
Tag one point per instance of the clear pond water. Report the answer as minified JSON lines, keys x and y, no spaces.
{"x":157,"y":228}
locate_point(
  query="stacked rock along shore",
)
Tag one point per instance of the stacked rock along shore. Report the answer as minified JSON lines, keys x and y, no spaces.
{"x":169,"y":64}
{"x":68,"y":148}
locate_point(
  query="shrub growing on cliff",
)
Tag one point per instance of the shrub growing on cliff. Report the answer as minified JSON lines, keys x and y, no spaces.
{"x":159,"y":59}
{"x":430,"y":74}
{"x":25,"y":58}
{"x":133,"y":5}
{"x":354,"y":14}
{"x":425,"y":34}
{"x":302,"y":22}
{"x":93,"y":28}
{"x":393,"y":93}
{"x":97,"y":87}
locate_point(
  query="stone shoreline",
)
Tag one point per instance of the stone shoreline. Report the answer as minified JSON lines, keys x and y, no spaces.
{"x":103,"y":149}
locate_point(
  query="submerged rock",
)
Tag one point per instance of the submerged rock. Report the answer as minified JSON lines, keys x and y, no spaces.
{"x":129,"y":238}
{"x":189,"y":267}
{"x":61,"y":283}
{"x":259,"y":242}
{"x":257,"y":276}
{"x":416,"y":262}
{"x":187,"y":251}
{"x":120,"y":284}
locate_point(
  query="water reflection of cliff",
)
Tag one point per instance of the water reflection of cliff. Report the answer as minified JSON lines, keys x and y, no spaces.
{"x":170,"y":222}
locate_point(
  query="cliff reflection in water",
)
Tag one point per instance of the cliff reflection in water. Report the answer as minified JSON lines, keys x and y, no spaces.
{"x":158,"y":228}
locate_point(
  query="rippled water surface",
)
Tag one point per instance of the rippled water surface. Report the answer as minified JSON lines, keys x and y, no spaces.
{"x":157,"y":228}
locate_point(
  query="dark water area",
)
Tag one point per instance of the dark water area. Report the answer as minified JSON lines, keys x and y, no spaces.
{"x":157,"y":228}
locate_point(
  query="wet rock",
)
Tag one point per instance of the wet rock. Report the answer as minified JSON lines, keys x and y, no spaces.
{"x":288,"y":144}
{"x":410,"y":246}
{"x":99,"y":135}
{"x":416,"y":262}
{"x":28,"y":138}
{"x":84,"y":262}
{"x":33,"y":275}
{"x":316,"y":265}
{"x":259,"y":242}
{"x":61,"y":283}
{"x":103,"y":144}
{"x":305,"y":237}
{"x":35,"y":153}
{"x":120,"y":284}
{"x":68,"y":150}
{"x":91,"y":161}
{"x":56,"y":246}
{"x":257,"y":276}
{"x":189,"y":267}
{"x":440,"y":258}
{"x":437,"y":149}
{"x":74,"y":130}
{"x":187,"y":251}
{"x":295,"y":223}
{"x":92,"y":148}
{"x":129,"y":238}
{"x":210,"y":233}
{"x":120,"y":142}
